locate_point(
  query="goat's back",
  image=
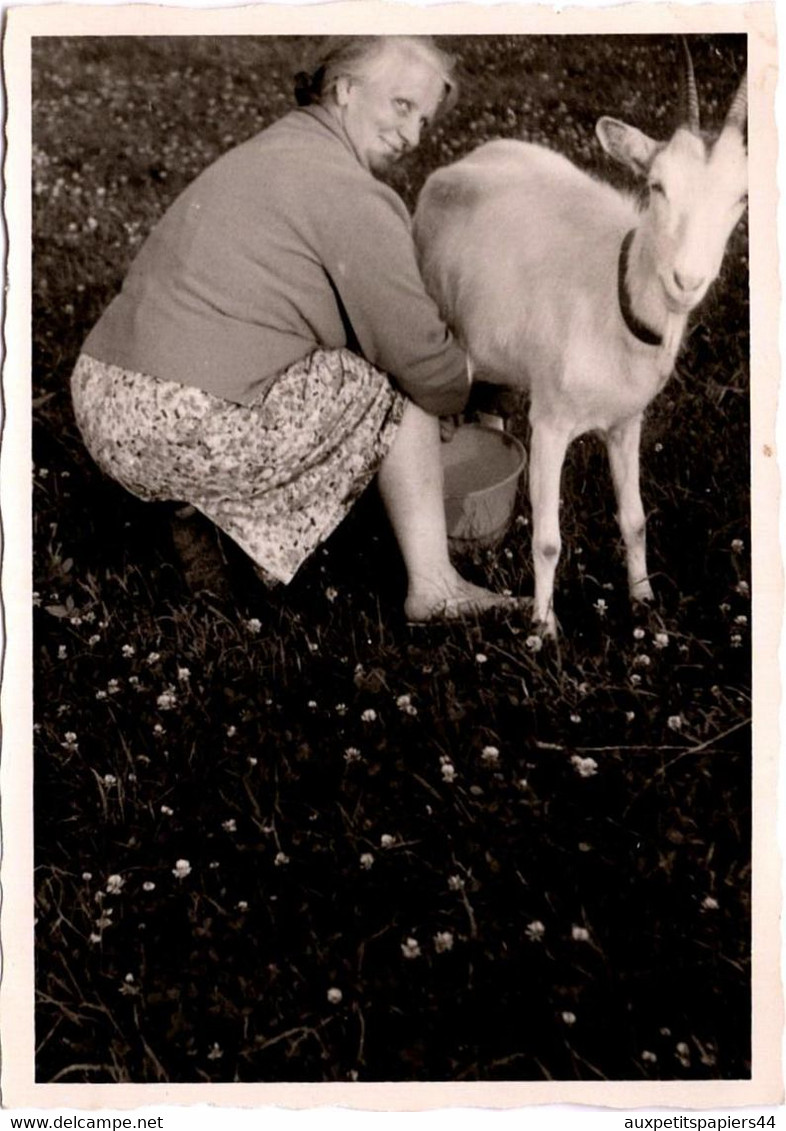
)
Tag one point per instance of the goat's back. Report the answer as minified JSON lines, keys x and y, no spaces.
{"x":511,"y":241}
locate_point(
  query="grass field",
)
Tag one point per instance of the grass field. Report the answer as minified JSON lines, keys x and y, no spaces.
{"x":296,"y":840}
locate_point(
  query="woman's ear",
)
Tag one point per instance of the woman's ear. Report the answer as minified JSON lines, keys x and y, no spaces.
{"x":342,"y":89}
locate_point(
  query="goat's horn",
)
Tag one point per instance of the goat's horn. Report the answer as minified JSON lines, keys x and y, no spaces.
{"x":690,"y":98}
{"x":738,"y":111}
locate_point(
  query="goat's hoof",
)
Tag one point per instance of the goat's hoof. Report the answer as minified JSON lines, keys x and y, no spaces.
{"x":641,"y":593}
{"x":545,"y":629}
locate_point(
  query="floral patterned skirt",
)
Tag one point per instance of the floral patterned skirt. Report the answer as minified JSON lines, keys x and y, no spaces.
{"x":277,"y":475}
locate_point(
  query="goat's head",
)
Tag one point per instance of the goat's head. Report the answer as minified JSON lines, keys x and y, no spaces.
{"x":696,"y":193}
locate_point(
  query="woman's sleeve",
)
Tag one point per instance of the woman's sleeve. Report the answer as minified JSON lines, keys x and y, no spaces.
{"x":396,"y":324}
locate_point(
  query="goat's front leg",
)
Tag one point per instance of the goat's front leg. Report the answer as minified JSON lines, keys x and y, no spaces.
{"x":547,"y":455}
{"x":622,"y":444}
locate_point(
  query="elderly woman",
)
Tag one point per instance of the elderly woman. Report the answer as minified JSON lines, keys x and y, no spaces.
{"x":273,"y":348}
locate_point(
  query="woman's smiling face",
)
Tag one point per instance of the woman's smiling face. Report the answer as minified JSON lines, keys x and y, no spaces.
{"x":385,"y":111}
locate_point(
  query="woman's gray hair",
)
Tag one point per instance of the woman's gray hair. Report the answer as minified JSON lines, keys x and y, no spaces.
{"x":355,"y":55}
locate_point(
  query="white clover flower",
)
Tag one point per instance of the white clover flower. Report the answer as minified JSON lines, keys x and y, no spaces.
{"x":387,"y":841}
{"x":584,"y":767}
{"x":94,"y":938}
{"x":736,"y":640}
{"x":366,"y":860}
{"x":649,"y":1057}
{"x":216,"y":1052}
{"x":94,"y":639}
{"x":737,"y":546}
{"x":568,"y":1017}
{"x":110,"y":779}
{"x":114,"y":884}
{"x":403,"y":701}
{"x":184,"y":674}
{"x":579,"y":934}
{"x":341,"y":708}
{"x":70,"y":742}
{"x":129,"y":979}
{"x":252,"y":761}
{"x":410,"y":948}
{"x":642,"y":660}
{"x":534,"y":642}
{"x":335,"y":996}
{"x":128,"y":650}
{"x":443,"y":940}
{"x":242,"y":905}
{"x":312,"y":704}
{"x":741,"y":619}
{"x":167,"y":700}
{"x":153,"y":657}
{"x":181,"y":869}
{"x":352,"y":754}
{"x":601,"y":607}
{"x":709,"y":903}
{"x":231,"y":731}
{"x":113,"y":687}
{"x":229,"y":826}
{"x":490,"y":754}
{"x":158,"y":729}
{"x":36,"y":599}
{"x":639,"y":634}
{"x":635,"y":679}
{"x":62,"y":652}
{"x":535,"y":930}
{"x":87,"y":877}
{"x":661,"y":640}
{"x":743,"y":588}
{"x":481,"y":658}
{"x":281,"y":859}
{"x":369,"y":715}
{"x":674,"y":722}
{"x":254,"y":625}
{"x":455,"y":883}
{"x":331,"y":593}
{"x":148,"y":885}
{"x":574,"y":718}
{"x":166,"y":811}
{"x":448,"y":771}
{"x":682,"y":1052}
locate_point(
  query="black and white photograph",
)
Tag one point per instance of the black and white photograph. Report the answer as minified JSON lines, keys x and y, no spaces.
{"x":393,"y":554}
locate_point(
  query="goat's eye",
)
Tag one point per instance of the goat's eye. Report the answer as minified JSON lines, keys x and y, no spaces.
{"x":403,"y":105}
{"x":657,"y":188}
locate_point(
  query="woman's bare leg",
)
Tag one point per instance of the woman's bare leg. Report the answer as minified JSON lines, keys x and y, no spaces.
{"x":410,"y":483}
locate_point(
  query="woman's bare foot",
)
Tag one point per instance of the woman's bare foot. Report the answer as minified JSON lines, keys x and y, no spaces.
{"x":457,"y":599}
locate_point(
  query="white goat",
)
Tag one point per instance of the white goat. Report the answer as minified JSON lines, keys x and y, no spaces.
{"x":558,"y":284}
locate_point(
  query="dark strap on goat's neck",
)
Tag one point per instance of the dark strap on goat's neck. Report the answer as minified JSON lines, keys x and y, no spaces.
{"x":637,"y":328}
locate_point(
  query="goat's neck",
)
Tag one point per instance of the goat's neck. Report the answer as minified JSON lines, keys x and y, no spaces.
{"x":648,"y":303}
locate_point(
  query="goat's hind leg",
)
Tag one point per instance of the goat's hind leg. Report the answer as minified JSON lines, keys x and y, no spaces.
{"x":548,"y":446}
{"x":622,"y":444}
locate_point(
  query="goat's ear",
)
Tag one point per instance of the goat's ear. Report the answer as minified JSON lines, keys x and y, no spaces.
{"x":627,"y":145}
